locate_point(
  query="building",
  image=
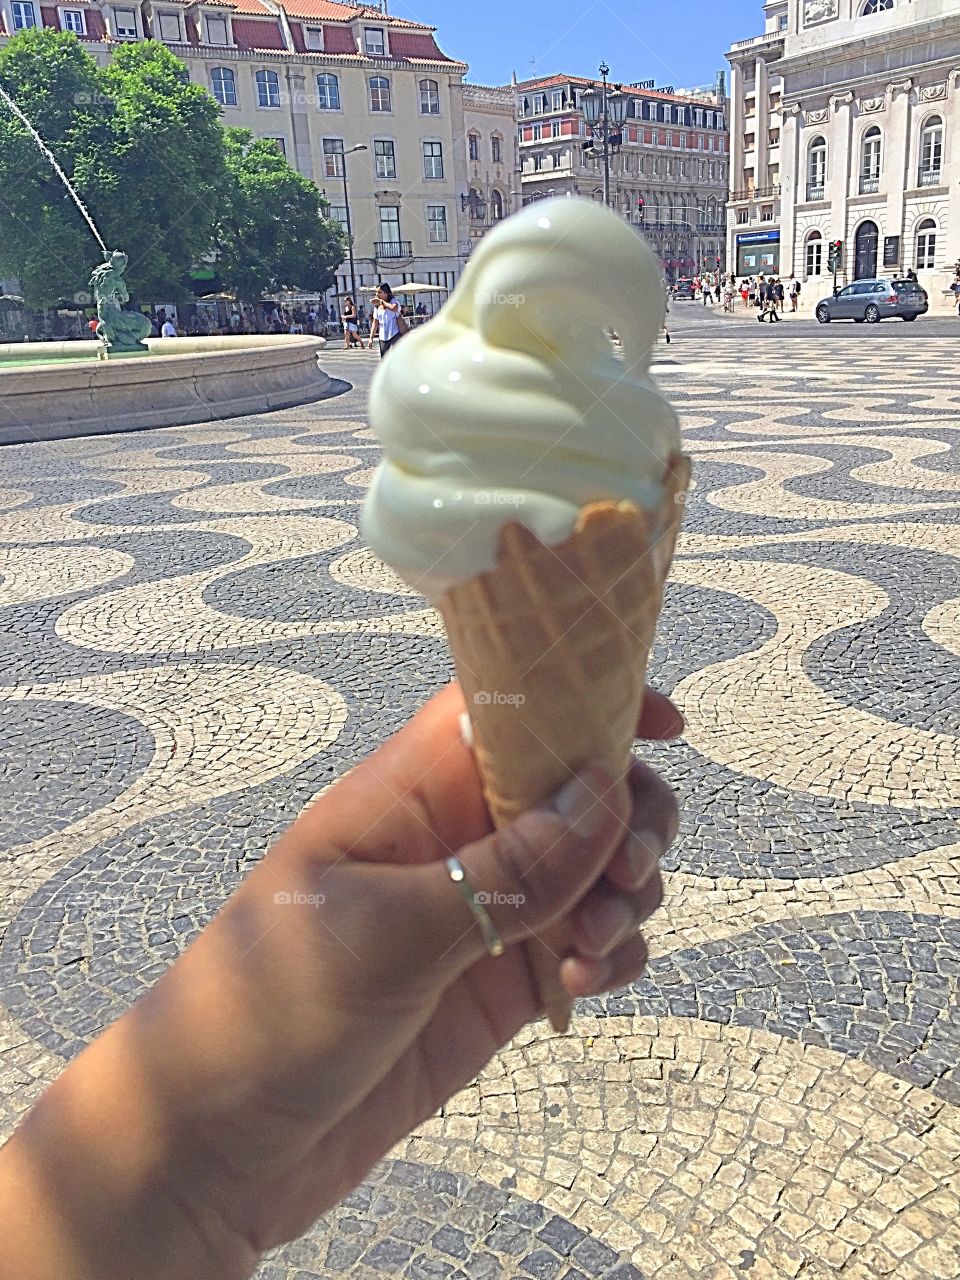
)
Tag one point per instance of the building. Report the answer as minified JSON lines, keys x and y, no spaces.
{"x":492,"y":158}
{"x":320,"y":78}
{"x":845,"y":125}
{"x":669,"y":176}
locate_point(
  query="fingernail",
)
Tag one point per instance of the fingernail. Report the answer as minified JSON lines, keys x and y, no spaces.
{"x":583,"y":809}
{"x":644,"y":851}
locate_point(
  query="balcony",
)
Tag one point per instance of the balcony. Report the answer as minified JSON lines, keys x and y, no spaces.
{"x":815,"y":191}
{"x":392,"y":250}
{"x":756,"y":193}
{"x":929,"y":178}
{"x":869,"y":186}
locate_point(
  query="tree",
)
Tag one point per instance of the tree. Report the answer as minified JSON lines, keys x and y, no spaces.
{"x":273,"y":233}
{"x":44,"y":241}
{"x":143,"y":147}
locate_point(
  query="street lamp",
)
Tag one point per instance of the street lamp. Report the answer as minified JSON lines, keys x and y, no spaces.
{"x":361,"y":146}
{"x":605,"y":112}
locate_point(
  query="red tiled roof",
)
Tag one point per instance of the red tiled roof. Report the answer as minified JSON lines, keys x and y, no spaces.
{"x":296,"y":32}
{"x":407,"y":44}
{"x":552,"y":82}
{"x":338,"y":40}
{"x":250,"y":34}
{"x":317,"y":10}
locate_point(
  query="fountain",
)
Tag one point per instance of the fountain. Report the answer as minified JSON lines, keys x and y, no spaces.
{"x":76,"y":388}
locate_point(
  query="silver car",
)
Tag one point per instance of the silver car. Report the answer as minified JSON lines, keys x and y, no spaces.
{"x":870,"y":301}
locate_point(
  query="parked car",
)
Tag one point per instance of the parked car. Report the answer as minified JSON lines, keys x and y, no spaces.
{"x":684,"y":289}
{"x":870,"y":301}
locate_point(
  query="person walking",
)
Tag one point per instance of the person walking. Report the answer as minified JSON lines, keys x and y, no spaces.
{"x":718,"y":288}
{"x":768,"y":303}
{"x":728,"y":297}
{"x":388,"y":323}
{"x":779,"y":294}
{"x":745,"y":293}
{"x":794,"y":293}
{"x":351,"y":323}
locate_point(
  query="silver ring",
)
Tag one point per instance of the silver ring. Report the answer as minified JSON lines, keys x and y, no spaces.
{"x":491,"y":939}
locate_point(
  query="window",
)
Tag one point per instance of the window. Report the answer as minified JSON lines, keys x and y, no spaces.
{"x":125,"y":24}
{"x":224,"y":85}
{"x":766,"y":213}
{"x":389,"y":224}
{"x":774,"y":137}
{"x":73,"y":20}
{"x":473,"y":146}
{"x":24,"y":15}
{"x":268,"y":89}
{"x":429,"y":98}
{"x":436,"y":223}
{"x":876,"y":6}
{"x":537,"y":132}
{"x":931,"y":152}
{"x":315,"y":38}
{"x":537,"y":163}
{"x":217,"y":31}
{"x":556,"y":159}
{"x":557,"y":100}
{"x":816,"y":168}
{"x":870,"y":161}
{"x":926,"y":244}
{"x":379,"y":93}
{"x":328,"y":92}
{"x":384,"y":158}
{"x":539,"y":103}
{"x":496,"y":206}
{"x":743,"y":215}
{"x":333,"y":157}
{"x":554,"y":128}
{"x":496,"y":149}
{"x":280,"y":144}
{"x":813,"y":256}
{"x":656,"y":137}
{"x":373,"y":42}
{"x":782,"y":22}
{"x":432,"y":160}
{"x":338,"y":212}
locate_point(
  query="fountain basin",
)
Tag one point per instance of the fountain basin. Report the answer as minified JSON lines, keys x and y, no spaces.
{"x":57,"y":389}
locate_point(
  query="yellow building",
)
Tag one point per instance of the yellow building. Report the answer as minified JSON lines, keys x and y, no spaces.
{"x":336,"y":86}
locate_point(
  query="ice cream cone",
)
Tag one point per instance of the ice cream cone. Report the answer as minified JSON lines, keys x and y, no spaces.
{"x":551,"y":647}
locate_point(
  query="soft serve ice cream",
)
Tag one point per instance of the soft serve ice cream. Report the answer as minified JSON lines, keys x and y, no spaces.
{"x":511,"y":404}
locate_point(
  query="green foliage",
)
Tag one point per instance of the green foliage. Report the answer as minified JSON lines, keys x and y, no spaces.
{"x":161,"y":177}
{"x":273,"y":233}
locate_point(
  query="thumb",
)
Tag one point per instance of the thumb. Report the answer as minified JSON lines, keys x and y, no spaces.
{"x":529,"y":873}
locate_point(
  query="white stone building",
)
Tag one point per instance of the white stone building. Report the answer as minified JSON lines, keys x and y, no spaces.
{"x":845,"y":125}
{"x":319,"y":78}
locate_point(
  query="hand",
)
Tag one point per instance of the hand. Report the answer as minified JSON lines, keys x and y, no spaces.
{"x":344,"y":993}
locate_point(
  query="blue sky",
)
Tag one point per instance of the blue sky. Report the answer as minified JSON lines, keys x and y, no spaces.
{"x":680,"y":42}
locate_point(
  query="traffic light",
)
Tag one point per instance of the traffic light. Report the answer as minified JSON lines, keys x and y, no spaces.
{"x":835,"y":255}
{"x":641,"y":207}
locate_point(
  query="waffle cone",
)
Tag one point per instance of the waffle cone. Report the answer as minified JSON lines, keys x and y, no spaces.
{"x":551,"y":648}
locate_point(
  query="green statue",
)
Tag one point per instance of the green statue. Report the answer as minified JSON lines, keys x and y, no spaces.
{"x":117,"y":329}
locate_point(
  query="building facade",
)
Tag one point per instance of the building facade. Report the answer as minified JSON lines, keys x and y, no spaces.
{"x":492,"y":159}
{"x":845,"y":125}
{"x":320,"y":78}
{"x":668,"y":178}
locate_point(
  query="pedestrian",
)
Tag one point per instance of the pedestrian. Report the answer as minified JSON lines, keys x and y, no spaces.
{"x":728,"y":297}
{"x":745,"y":293}
{"x":168,"y":329}
{"x":778,"y":293}
{"x":768,"y":303}
{"x":794,"y":293}
{"x":388,"y":324}
{"x":707,"y":291}
{"x":351,"y":324}
{"x":752,"y":292}
{"x":717,"y":287}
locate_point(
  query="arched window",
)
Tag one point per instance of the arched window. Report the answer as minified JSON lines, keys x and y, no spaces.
{"x":926,"y":243}
{"x":496,"y":205}
{"x":328,"y":91}
{"x":870,"y":161}
{"x":224,"y":85}
{"x":473,"y":146}
{"x":379,"y":93}
{"x":813,"y":254}
{"x":931,"y":152}
{"x":268,"y":89}
{"x":816,"y":168}
{"x":876,"y":6}
{"x":429,"y":98}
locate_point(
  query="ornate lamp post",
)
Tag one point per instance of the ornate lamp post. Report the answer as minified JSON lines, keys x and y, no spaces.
{"x":605,"y":111}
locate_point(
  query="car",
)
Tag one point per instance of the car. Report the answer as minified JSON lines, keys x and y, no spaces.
{"x":684,"y":289}
{"x":870,"y":301}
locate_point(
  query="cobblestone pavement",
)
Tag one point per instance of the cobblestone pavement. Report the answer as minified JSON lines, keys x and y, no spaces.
{"x":194,"y":642}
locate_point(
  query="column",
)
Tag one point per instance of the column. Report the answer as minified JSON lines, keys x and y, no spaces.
{"x":949,"y":236}
{"x":762,"y":118}
{"x":839,"y":166}
{"x":735,"y":158}
{"x":302,"y":158}
{"x":792,"y":180}
{"x":898,"y":159}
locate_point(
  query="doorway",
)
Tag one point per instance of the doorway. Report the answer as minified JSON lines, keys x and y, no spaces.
{"x":867,"y":240}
